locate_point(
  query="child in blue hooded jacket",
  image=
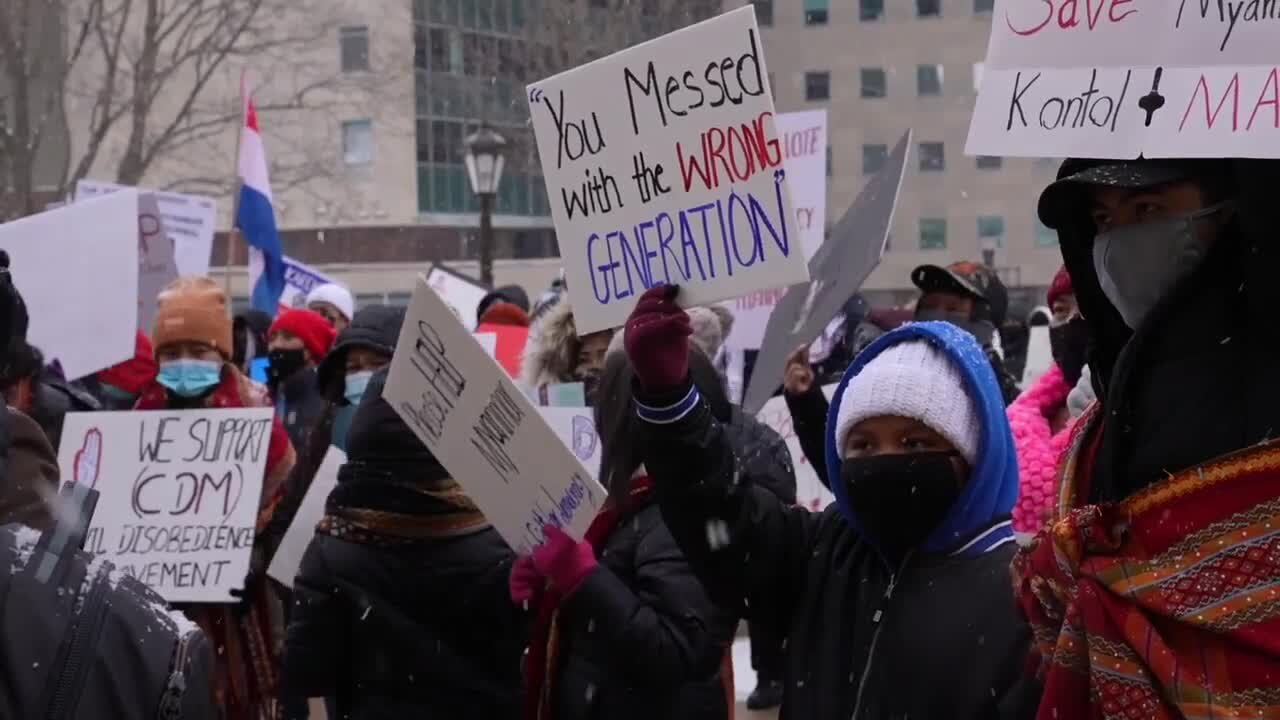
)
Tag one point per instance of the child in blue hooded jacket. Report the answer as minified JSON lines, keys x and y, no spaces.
{"x":898,"y":596}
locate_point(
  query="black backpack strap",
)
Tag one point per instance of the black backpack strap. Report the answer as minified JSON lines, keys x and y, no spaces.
{"x":57,"y":546}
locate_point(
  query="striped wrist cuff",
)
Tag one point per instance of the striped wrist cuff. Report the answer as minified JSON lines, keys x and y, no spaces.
{"x":669,"y":414}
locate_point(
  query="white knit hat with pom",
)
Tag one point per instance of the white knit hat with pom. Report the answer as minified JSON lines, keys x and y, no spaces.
{"x":915,"y":380}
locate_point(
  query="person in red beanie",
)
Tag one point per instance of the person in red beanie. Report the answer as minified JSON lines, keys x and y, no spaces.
{"x":296,"y":343}
{"x":118,"y":387}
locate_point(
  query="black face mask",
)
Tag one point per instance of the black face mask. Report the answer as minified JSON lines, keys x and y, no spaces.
{"x":1069,"y":343}
{"x":900,"y":499}
{"x":282,"y":364}
{"x":983,"y":330}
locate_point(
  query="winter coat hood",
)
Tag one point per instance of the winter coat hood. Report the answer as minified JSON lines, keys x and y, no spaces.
{"x":979,"y":519}
{"x":376,"y":328}
{"x":552,"y":348}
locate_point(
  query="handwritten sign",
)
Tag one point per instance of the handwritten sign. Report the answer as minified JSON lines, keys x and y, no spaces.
{"x":288,"y":557}
{"x":299,"y":280}
{"x":1115,"y":78}
{"x":664,"y":165}
{"x":188,"y":219}
{"x":458,"y":292}
{"x":470,"y":414}
{"x":179,"y":493}
{"x":77,"y":269}
{"x":576,"y":428}
{"x":810,"y":492}
{"x":156,"y":265}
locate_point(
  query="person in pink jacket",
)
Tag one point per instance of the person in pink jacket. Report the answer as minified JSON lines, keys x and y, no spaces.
{"x":1040,"y":418}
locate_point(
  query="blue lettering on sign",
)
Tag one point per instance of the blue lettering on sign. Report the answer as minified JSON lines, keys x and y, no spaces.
{"x":683,"y":247}
{"x":558,"y":510}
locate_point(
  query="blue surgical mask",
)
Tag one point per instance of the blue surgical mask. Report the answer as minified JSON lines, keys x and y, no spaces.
{"x":356,"y":383}
{"x":189,"y":378}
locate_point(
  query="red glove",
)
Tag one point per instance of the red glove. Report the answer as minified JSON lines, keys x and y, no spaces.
{"x":525,"y":583}
{"x":563,"y":560}
{"x":657,"y":340}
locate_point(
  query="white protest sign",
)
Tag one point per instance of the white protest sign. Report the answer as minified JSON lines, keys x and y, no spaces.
{"x":179,"y":493}
{"x":488,"y":341}
{"x":576,"y":428}
{"x":189,"y":220}
{"x":156,"y":265}
{"x":288,"y":557}
{"x":458,"y":292}
{"x":1119,"y":78}
{"x":469,"y":413}
{"x":663,"y":165}
{"x":299,"y":280}
{"x":804,"y":143}
{"x":810,"y":492}
{"x":77,"y":270}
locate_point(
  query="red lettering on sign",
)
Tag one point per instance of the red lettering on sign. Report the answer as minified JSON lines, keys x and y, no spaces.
{"x":1231,"y":93}
{"x":1068,"y":15}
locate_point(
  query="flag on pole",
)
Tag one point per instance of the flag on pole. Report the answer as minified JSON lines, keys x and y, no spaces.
{"x":255,"y":216}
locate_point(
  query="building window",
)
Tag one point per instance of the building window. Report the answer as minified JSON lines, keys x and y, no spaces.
{"x":983,"y":7}
{"x":990,"y":162}
{"x":875,"y":83}
{"x":353,"y":45}
{"x":870,"y":10}
{"x":357,"y":142}
{"x":929,"y":79}
{"x":815,"y":12}
{"x":873,"y":158}
{"x":933,"y":233}
{"x":817,"y":85}
{"x":990,"y":231}
{"x":601,"y":4}
{"x":928,"y":8}
{"x":933,"y":157}
{"x":764,"y":12}
{"x":1045,"y":235}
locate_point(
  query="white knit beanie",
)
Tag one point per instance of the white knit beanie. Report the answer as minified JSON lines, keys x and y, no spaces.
{"x":915,"y":380}
{"x":335,"y":295}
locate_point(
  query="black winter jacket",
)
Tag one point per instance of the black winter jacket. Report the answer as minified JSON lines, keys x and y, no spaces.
{"x":302,"y":405}
{"x":937,"y":637}
{"x":424,"y":631}
{"x":640,"y":637}
{"x":762,"y":454}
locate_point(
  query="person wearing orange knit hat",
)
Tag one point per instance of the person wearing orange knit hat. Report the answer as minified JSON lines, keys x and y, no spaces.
{"x":296,"y":343}
{"x":193,"y":347}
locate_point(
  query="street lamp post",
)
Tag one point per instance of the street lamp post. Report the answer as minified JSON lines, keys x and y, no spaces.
{"x":486,"y":155}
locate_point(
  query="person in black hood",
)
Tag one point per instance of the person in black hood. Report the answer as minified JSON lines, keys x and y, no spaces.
{"x":513,"y":294}
{"x":919,"y":442}
{"x":401,"y":604}
{"x":297,"y":342}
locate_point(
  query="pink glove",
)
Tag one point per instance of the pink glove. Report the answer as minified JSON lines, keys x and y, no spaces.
{"x":563,"y":560}
{"x":657,"y":339}
{"x":526,"y":582}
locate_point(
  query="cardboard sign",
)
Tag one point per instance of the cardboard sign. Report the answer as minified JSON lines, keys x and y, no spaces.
{"x":189,"y":219}
{"x":157,"y":266}
{"x":576,"y":428}
{"x":1161,"y":79}
{"x":663,"y":165}
{"x":77,"y":270}
{"x":810,"y":492}
{"x":470,"y":414}
{"x":284,"y":566}
{"x":179,"y":493}
{"x":459,"y":292}
{"x":488,"y":341}
{"x":804,"y":141}
{"x":299,"y":280}
{"x":854,"y":249}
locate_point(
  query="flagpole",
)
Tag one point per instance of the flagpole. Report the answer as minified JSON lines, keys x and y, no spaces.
{"x":235,"y":195}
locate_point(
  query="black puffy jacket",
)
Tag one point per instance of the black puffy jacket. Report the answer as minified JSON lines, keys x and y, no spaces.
{"x":640,"y":637}
{"x":763,"y":455}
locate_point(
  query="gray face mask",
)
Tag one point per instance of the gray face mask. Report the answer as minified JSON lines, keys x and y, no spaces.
{"x":1138,"y":265}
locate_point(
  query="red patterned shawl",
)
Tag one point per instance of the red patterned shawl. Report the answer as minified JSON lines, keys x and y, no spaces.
{"x":1166,"y":605}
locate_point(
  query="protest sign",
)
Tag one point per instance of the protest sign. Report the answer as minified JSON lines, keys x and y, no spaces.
{"x":842,"y":264}
{"x":804,"y":143}
{"x":299,"y":280}
{"x":488,"y":341}
{"x":459,"y":292}
{"x":810,"y":492}
{"x":179,"y":493}
{"x":288,"y":557}
{"x":156,"y":264}
{"x":77,"y":270}
{"x":576,"y":428}
{"x":663,"y":165}
{"x":189,"y":220}
{"x":1117,"y":78}
{"x":469,"y":413}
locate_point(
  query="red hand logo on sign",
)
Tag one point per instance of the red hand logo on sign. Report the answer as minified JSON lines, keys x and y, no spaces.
{"x":89,"y":458}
